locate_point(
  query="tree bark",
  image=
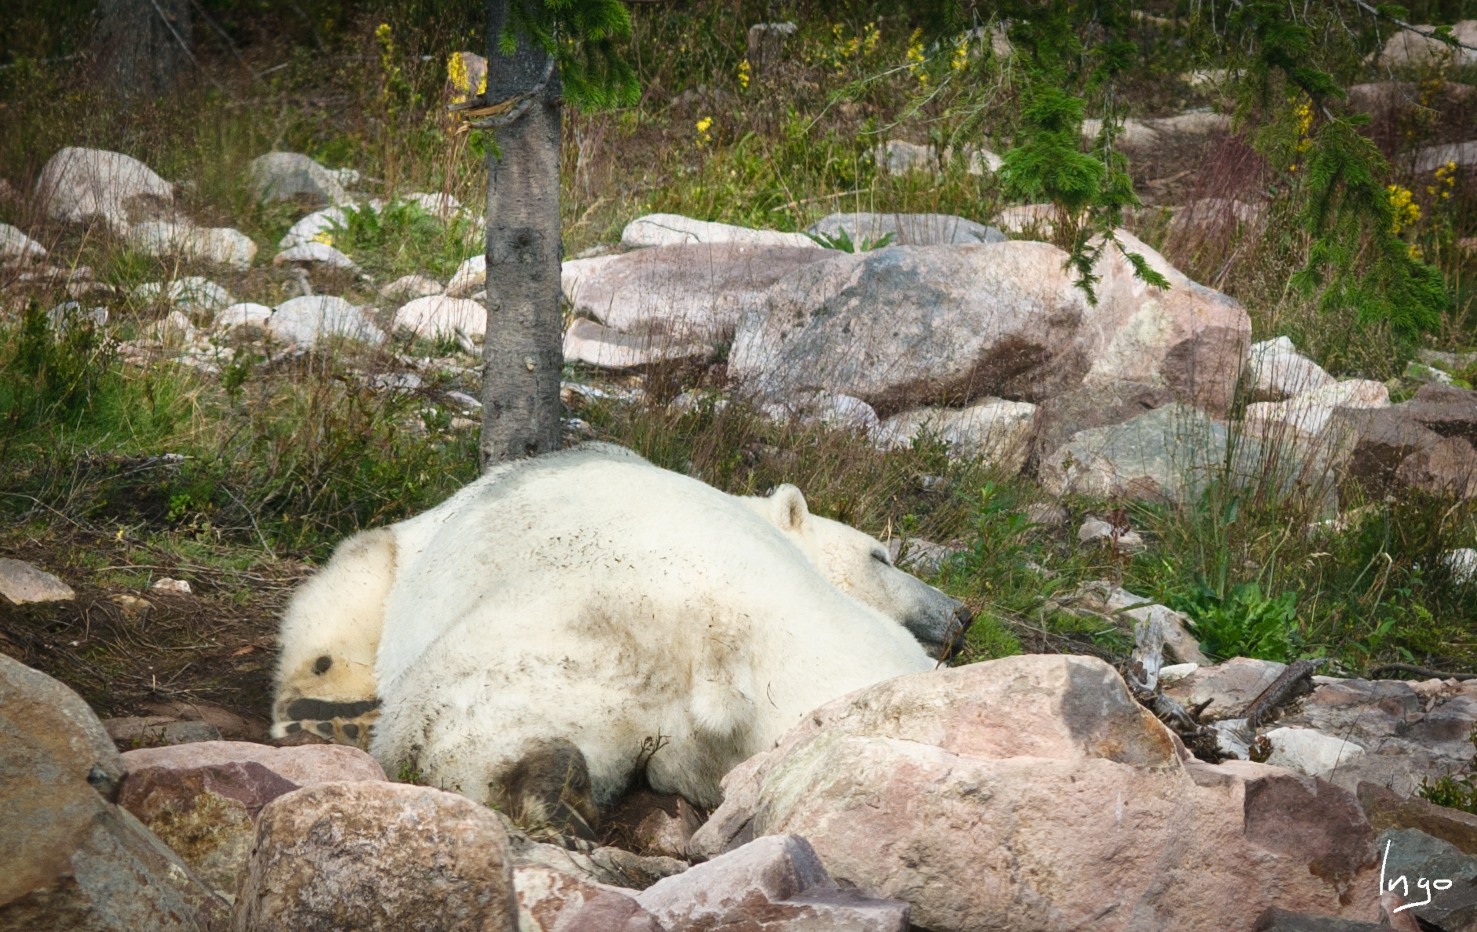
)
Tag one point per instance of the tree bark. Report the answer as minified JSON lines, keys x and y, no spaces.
{"x":522,"y":350}
{"x":142,"y":46}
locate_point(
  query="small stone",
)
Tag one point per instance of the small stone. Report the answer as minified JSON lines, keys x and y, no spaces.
{"x":469,"y":276}
{"x":440,"y":316}
{"x":20,"y":582}
{"x":282,"y":175}
{"x":305,"y":766}
{"x":133,"y":731}
{"x":189,"y":294}
{"x":377,"y":856}
{"x":315,"y":228}
{"x":306,"y":319}
{"x":771,"y":884}
{"x":16,"y":245}
{"x":79,"y":184}
{"x":1095,"y":530}
{"x":412,"y":286}
{"x":243,"y":315}
{"x":317,"y":254}
{"x":1311,"y":752}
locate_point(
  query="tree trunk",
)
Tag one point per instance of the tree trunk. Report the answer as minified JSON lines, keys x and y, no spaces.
{"x":142,"y":46}
{"x":522,"y":351}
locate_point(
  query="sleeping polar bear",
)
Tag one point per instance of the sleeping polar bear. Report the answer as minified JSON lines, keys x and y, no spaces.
{"x":560,"y":614}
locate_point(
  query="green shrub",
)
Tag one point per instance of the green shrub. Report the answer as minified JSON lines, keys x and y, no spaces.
{"x":1241,"y":623}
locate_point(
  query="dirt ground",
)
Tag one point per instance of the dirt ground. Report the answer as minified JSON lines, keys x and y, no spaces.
{"x":134,"y":650}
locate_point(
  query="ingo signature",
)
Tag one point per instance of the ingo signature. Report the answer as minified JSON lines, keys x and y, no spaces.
{"x":1421,"y":883}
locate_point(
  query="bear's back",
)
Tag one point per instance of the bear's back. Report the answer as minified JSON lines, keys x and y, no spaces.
{"x":598,"y":531}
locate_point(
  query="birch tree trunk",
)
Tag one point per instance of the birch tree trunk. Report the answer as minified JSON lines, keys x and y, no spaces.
{"x":522,"y":350}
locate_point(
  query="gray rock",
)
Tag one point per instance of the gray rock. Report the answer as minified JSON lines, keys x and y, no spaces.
{"x":1408,"y":48}
{"x":243,"y":315}
{"x":16,"y":245}
{"x":219,"y":245}
{"x":1447,"y":468}
{"x":998,"y":432}
{"x":824,"y":409}
{"x":1445,"y":409}
{"x":1173,"y":453}
{"x":945,"y":788}
{"x":469,"y":276}
{"x":908,"y":229}
{"x":73,"y":860}
{"x":316,"y":224}
{"x":773,"y":884}
{"x":20,"y":582}
{"x":1085,"y":408}
{"x":909,"y":326}
{"x":308,"y":319}
{"x":1229,"y":687}
{"x":1387,"y":809}
{"x":1096,"y":530}
{"x":604,"y":348}
{"x":898,"y":157}
{"x":676,"y":230}
{"x":138,"y":731}
{"x":686,"y":292}
{"x":412,"y":287}
{"x":1409,"y":856}
{"x":766,"y":47}
{"x":553,"y":901}
{"x":1277,"y":371}
{"x":79,"y":184}
{"x":438,"y":316}
{"x":917,"y":555}
{"x":190,"y":294}
{"x":315,"y":254}
{"x":377,"y":856}
{"x":1159,"y":132}
{"x":281,"y":175}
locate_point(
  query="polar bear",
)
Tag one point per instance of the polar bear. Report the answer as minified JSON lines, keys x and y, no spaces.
{"x":331,"y":630}
{"x":579,"y":616}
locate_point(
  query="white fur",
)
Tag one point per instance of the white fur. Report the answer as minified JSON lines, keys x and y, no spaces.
{"x":590,"y":596}
{"x":338,"y":614}
{"x":859,"y":566}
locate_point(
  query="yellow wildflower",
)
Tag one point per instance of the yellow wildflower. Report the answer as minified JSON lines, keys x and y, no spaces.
{"x":324,"y":237}
{"x":916,"y":58}
{"x":703,"y":126}
{"x":1445,"y":181}
{"x":1305,"y":122}
{"x":961,"y":56}
{"x":743,"y":74}
{"x":1407,"y":212}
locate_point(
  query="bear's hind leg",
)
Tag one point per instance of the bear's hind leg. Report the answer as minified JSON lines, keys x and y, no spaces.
{"x":547,"y":791}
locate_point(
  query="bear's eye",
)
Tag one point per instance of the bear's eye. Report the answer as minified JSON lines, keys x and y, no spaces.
{"x":881,"y":557}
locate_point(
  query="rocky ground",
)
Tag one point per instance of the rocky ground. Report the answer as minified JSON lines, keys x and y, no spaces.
{"x":1152,"y":784}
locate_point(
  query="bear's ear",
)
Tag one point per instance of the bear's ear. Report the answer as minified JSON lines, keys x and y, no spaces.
{"x":789,"y":507}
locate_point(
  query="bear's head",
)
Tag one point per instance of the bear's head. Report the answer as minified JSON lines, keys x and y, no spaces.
{"x":859,"y":565}
{"x":330,"y":634}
